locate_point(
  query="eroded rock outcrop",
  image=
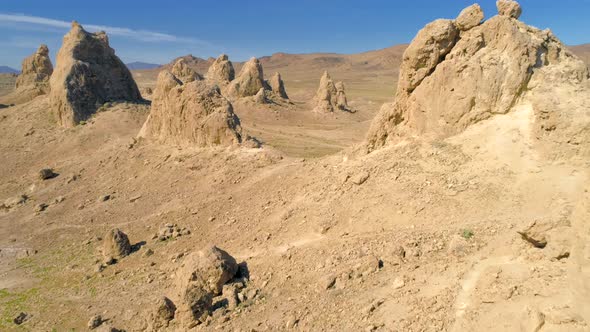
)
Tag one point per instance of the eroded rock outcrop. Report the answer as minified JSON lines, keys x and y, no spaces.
{"x":35,"y":73}
{"x":277,"y":86}
{"x":449,"y":81}
{"x":221,"y":71}
{"x":87,"y":75}
{"x":330,"y":96}
{"x":249,"y":81}
{"x":116,"y":244}
{"x":185,"y":73}
{"x":190,"y":113}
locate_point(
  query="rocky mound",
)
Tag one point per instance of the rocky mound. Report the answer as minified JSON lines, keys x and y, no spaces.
{"x":190,"y":113}
{"x":459,"y":72}
{"x":87,"y":75}
{"x":221,"y":71}
{"x":249,"y":81}
{"x":330,"y":96}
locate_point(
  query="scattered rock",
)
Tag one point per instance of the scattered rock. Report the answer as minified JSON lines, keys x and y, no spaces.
{"x":41,"y":207}
{"x":470,"y":17}
{"x":164,"y":311}
{"x":509,"y":8}
{"x":94,"y":322}
{"x":116,"y":244}
{"x":46,"y":174}
{"x":398,"y":283}
{"x":360,"y":178}
{"x":170,"y":231}
{"x":14,"y":202}
{"x":88,"y":74}
{"x":327,"y":282}
{"x":535,"y":235}
{"x":148,"y":253}
{"x":21,"y":318}
{"x":104,"y":198}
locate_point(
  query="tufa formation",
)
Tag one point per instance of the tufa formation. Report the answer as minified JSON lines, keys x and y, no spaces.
{"x":456,"y":73}
{"x":329,"y":96}
{"x":87,"y":75}
{"x":36,"y":71}
{"x":249,"y":81}
{"x":277,"y":86}
{"x":190,"y":113}
{"x":221,"y":71}
{"x":183,"y":72}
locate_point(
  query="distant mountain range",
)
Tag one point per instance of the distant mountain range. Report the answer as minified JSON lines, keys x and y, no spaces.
{"x":141,"y":65}
{"x":8,"y":70}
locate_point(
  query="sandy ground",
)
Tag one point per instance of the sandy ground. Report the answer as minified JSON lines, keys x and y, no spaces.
{"x":421,"y":236}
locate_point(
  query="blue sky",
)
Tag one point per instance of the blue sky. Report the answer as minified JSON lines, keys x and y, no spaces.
{"x":157,"y":31}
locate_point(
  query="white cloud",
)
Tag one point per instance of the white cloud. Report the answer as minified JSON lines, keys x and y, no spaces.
{"x":141,"y":35}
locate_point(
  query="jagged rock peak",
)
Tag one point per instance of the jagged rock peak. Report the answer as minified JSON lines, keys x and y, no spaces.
{"x":450,"y":80}
{"x":87,"y":75}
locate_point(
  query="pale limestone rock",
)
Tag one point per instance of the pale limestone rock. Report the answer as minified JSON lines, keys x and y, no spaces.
{"x":194,"y":114}
{"x":249,"y":81}
{"x":509,"y":8}
{"x":448,"y":82}
{"x":221,"y":71}
{"x":278,"y":86}
{"x":470,"y":17}
{"x":185,"y":73}
{"x":87,"y":75}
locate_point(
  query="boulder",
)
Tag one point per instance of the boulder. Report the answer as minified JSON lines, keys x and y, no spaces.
{"x":184,"y":73}
{"x":509,"y":8}
{"x":221,"y":71}
{"x":212,"y":265}
{"x":449,"y":81}
{"x":163,"y":312}
{"x":249,"y":81}
{"x":87,"y":75}
{"x":200,"y":278}
{"x":192,"y":113}
{"x":277,"y":86}
{"x":470,"y":17}
{"x":116,"y":244}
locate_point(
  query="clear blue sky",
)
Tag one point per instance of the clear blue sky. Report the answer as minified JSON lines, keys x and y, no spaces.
{"x":157,"y":31}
